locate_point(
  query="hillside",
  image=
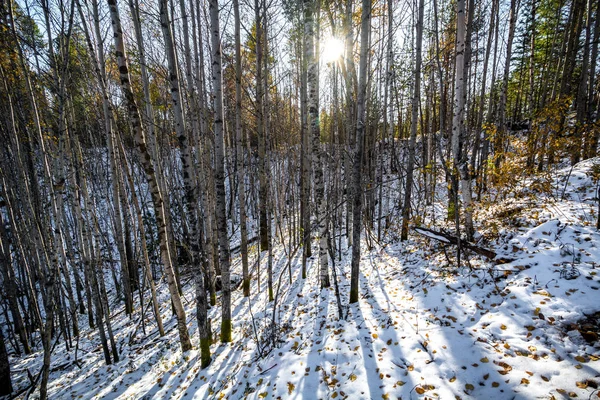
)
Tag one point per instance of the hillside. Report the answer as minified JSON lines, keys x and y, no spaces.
{"x":423,"y":328}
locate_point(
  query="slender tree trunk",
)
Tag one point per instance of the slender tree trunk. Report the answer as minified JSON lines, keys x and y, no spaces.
{"x":458,"y":121}
{"x":581,"y":99}
{"x":357,"y":194}
{"x":241,"y":173}
{"x":479,"y":121}
{"x":310,"y":9}
{"x":263,"y":185}
{"x":217,"y":79}
{"x":388,"y":137}
{"x":501,"y":129}
{"x":406,"y":207}
{"x":593,"y":96}
{"x":304,"y":159}
{"x":350,"y":79}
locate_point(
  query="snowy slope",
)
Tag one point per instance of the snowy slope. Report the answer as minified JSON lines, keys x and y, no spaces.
{"x":422,"y":328}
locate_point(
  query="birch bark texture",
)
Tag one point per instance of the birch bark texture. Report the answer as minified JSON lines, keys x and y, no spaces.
{"x":240,"y":152}
{"x":458,"y":119}
{"x":310,"y":9}
{"x":217,"y":78}
{"x":414,"y":122}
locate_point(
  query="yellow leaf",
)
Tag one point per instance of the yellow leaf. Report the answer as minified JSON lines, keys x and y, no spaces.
{"x":385,"y":396}
{"x":291,"y":387}
{"x":334,"y":395}
{"x":503,"y":327}
{"x":495,"y":384}
{"x":260,"y":381}
{"x":419,"y":390}
{"x":582,"y":385}
{"x":529,"y":373}
{"x":524,"y":381}
{"x":400,"y":383}
{"x":506,"y":346}
{"x":375,"y":336}
{"x":263,"y":395}
{"x":352,"y":377}
{"x":580,"y":359}
{"x":545,"y":378}
{"x":452,"y":379}
{"x":468,"y":386}
{"x":484,"y":360}
{"x":411,"y":367}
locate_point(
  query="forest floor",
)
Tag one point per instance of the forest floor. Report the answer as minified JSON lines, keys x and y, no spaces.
{"x":526,"y":329}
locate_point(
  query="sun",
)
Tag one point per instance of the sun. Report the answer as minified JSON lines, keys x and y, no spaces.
{"x":332,"y":50}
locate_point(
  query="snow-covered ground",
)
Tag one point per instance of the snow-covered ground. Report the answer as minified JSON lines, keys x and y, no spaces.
{"x":422,"y":328}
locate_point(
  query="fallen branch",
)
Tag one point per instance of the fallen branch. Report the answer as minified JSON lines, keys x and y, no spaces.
{"x":450,"y":239}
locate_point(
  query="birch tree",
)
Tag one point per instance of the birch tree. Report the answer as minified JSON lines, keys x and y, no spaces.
{"x":310,"y":8}
{"x":458,"y":120}
{"x":414,"y":121}
{"x":217,"y":80}
{"x":240,"y":152}
{"x":359,"y":150}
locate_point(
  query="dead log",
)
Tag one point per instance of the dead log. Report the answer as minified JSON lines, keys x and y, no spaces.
{"x":450,"y":239}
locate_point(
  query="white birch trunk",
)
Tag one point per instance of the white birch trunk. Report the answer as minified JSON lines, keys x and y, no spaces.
{"x":213,"y":7}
